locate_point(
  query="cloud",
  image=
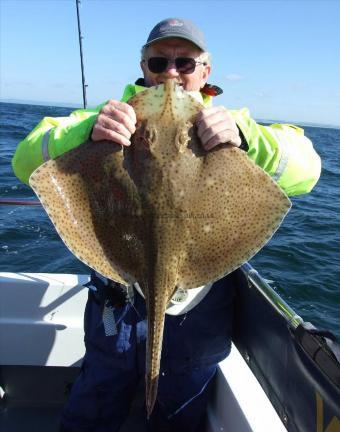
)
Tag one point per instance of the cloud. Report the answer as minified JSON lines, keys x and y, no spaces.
{"x":18,"y":84}
{"x":58,"y":85}
{"x":259,"y":93}
{"x":233,"y":77}
{"x":263,"y":93}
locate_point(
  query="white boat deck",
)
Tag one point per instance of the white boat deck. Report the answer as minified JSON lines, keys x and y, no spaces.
{"x":41,"y":330}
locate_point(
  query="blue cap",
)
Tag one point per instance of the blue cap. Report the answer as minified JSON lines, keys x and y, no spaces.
{"x":177,"y":27}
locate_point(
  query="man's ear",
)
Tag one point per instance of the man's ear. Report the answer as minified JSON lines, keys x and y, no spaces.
{"x":143,"y":66}
{"x":206,"y":73}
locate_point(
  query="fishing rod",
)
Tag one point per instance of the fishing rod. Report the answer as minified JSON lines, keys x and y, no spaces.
{"x":81,"y":56}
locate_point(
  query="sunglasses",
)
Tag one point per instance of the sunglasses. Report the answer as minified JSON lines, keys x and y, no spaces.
{"x":185,"y":65}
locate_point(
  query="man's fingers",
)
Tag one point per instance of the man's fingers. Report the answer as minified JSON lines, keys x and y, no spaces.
{"x":216,"y":126}
{"x":213,"y":114}
{"x":124,"y":117}
{"x":119,"y":139}
{"x":116,"y":126}
{"x":207,"y":112}
{"x":210,"y":116}
{"x":101,"y":133}
{"x":125,"y":120}
{"x":211,"y":131}
{"x":115,"y":122}
{"x":228,"y":137}
{"x":124,"y":107}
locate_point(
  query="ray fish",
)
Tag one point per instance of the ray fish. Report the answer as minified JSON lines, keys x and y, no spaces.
{"x":162,"y":212}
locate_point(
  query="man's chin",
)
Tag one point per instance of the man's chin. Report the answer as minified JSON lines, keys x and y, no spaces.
{"x":162,"y":82}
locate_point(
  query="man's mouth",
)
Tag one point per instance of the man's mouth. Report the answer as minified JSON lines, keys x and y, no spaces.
{"x":178,"y":83}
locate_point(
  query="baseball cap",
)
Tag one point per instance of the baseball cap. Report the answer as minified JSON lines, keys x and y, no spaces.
{"x":177,"y":27}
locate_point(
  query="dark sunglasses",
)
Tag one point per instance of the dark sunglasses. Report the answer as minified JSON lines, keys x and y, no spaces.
{"x":184,"y":65}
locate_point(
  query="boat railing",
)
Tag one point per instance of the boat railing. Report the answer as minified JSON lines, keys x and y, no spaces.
{"x":253,"y":277}
{"x":19,"y":202}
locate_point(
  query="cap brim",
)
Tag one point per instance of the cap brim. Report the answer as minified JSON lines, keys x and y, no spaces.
{"x":174,"y":35}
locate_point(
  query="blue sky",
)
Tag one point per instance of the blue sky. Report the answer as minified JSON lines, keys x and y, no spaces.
{"x":281,"y":59}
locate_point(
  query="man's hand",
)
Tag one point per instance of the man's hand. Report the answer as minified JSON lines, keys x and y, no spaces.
{"x":215,"y":126}
{"x":115,"y":122}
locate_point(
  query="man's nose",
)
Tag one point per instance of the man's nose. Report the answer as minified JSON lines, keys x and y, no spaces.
{"x":171,"y":70}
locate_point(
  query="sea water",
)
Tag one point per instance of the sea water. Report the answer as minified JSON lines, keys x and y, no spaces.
{"x":302,"y":260}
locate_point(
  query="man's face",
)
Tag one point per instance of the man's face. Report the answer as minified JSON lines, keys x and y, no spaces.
{"x":171,"y":49}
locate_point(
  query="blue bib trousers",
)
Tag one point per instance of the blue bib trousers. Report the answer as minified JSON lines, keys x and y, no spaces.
{"x":113,"y":365}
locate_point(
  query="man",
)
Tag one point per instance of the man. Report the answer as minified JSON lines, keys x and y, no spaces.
{"x":196,"y":340}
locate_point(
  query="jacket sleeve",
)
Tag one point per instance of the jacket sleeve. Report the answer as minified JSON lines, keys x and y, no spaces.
{"x":283,"y":151}
{"x":52,"y":137}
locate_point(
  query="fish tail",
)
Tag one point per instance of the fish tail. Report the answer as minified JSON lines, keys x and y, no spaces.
{"x":156,"y":318}
{"x":159,"y":293}
{"x":151,"y":395}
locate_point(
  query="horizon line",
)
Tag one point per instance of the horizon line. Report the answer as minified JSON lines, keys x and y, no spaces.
{"x":76,"y":106}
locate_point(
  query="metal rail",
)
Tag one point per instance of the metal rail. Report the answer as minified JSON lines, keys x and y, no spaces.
{"x":293,"y":320}
{"x":19,"y":202}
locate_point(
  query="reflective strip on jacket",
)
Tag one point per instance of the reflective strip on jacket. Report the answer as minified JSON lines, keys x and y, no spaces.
{"x":281,"y":150}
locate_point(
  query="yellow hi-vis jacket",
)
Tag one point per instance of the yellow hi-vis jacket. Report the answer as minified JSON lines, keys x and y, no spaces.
{"x":281,"y":150}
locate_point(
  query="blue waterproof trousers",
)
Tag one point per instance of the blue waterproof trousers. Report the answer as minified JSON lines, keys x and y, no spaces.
{"x":113,"y":365}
